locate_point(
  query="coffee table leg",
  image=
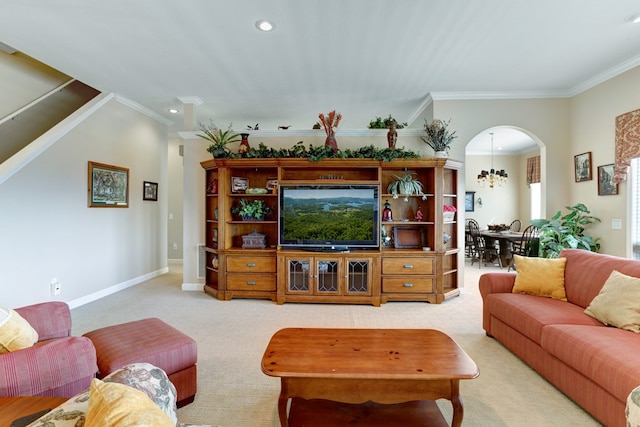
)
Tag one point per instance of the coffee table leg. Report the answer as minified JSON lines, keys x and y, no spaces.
{"x":282,"y":403}
{"x":456,"y":402}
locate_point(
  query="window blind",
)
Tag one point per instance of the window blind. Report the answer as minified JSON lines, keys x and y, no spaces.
{"x":634,"y":173}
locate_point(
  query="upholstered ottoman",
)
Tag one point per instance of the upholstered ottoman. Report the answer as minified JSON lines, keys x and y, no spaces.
{"x":151,"y":341}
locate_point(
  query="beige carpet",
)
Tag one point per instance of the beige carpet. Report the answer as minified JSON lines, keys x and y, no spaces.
{"x":232,"y":335}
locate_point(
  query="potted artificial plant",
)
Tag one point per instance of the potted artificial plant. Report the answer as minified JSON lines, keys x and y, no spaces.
{"x":252,"y":210}
{"x":406,"y":186}
{"x":218,"y":138}
{"x":564,"y":232}
{"x":438,"y":137}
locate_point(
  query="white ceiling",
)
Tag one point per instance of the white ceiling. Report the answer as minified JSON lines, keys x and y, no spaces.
{"x":364,"y":58}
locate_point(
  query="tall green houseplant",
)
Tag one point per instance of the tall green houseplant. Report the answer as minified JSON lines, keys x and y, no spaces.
{"x":566,"y":232}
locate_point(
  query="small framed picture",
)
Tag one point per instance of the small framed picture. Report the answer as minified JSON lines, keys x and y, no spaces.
{"x":469,"y":201}
{"x":150,"y":191}
{"x":239,"y":185}
{"x":409,"y":237}
{"x":606,"y":187}
{"x":108,"y":186}
{"x":272,"y":183}
{"x":582,"y":165}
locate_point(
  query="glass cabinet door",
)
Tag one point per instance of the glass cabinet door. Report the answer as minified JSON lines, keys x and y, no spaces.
{"x":327,"y":276}
{"x":358,"y":277}
{"x":298,"y":276}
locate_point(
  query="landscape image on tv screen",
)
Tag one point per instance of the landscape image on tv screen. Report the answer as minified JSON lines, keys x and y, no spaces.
{"x":329,"y":215}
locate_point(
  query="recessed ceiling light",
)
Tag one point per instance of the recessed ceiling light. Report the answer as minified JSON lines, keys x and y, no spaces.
{"x":264,"y":25}
{"x":173,"y":110}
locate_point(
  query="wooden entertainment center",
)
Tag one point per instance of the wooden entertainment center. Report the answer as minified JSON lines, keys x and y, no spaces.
{"x":421,"y":267}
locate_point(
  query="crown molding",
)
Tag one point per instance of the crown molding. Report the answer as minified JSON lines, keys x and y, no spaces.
{"x":465,"y":96}
{"x":144,"y":110}
{"x":606,"y":75}
{"x":195,"y":100}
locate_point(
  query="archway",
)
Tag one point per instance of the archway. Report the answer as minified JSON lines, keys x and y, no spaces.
{"x":513,"y":200}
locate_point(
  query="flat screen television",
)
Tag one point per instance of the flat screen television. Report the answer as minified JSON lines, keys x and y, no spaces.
{"x":327,"y":217}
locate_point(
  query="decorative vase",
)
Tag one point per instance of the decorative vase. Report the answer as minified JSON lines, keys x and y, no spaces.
{"x":331,"y":142}
{"x":219,"y":153}
{"x":441,"y":155}
{"x":244,"y":144}
{"x":392,"y":136}
{"x":252,"y":218}
{"x":387,"y":214}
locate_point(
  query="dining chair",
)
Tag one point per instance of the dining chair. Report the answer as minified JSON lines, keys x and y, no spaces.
{"x":481,"y":251}
{"x":525,"y":246}
{"x":468,"y":240}
{"x":515,"y":225}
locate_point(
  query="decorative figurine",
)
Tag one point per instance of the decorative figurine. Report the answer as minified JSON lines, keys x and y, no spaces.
{"x":387,"y":215}
{"x":419,"y":214}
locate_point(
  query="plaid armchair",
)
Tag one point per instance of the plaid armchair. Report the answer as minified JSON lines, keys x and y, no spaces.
{"x":57,"y":365}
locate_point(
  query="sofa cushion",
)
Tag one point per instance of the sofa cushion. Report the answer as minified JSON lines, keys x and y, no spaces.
{"x":118,"y":405}
{"x":618,"y":303}
{"x":540,"y":276}
{"x":528,"y":314}
{"x":144,"y":377}
{"x":15,"y":332}
{"x":586,"y":272}
{"x":607,"y":356}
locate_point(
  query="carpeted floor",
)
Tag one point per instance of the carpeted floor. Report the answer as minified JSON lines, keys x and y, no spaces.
{"x":232,"y":336}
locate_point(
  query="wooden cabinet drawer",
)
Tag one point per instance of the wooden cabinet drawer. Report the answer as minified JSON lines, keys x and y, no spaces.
{"x":407,"y":284}
{"x":251,"y":282}
{"x":408,"y":265}
{"x":245,"y":264}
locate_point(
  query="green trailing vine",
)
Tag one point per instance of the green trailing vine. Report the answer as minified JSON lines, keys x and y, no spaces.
{"x":317,"y":153}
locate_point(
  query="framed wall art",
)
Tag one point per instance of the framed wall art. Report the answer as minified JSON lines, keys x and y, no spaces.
{"x":108,"y":186}
{"x":150,"y":191}
{"x":469,"y":201}
{"x":582,"y":165}
{"x":606,"y":187}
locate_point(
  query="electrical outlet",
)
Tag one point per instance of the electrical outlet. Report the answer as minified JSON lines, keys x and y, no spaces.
{"x":56,"y":287}
{"x":175,"y":246}
{"x":616,"y":224}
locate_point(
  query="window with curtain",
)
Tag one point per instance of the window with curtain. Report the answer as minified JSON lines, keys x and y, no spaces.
{"x":533,"y":170}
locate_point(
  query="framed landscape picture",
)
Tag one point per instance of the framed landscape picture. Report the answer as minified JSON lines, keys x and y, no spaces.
{"x":606,"y":187}
{"x":108,"y":186}
{"x":582,"y":165}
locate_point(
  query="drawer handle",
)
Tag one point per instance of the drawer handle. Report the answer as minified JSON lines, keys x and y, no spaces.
{"x":408,"y":285}
{"x":251,"y":282}
{"x":251,"y":264}
{"x":407,"y":266}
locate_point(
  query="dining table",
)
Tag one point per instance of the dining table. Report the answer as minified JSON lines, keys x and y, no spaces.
{"x":505,"y":241}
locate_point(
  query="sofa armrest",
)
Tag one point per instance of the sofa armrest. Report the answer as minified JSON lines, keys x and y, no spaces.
{"x":49,"y":319}
{"x":493,"y":283}
{"x":60,"y":367}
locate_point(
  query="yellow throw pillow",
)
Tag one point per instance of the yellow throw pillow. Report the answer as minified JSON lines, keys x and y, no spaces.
{"x":15,"y":332}
{"x":540,"y":276}
{"x":118,"y":405}
{"x":618,"y":303}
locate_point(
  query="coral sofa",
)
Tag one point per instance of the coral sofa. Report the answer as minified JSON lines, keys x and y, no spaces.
{"x":595,"y":365}
{"x":57,"y":365}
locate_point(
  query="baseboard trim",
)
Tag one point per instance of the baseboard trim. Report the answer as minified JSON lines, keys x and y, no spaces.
{"x":193,"y":287}
{"x":116,"y":288}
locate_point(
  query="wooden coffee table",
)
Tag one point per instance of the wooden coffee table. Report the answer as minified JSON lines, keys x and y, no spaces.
{"x":361,"y":366}
{"x":12,"y":408}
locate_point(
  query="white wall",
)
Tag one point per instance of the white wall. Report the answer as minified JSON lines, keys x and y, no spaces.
{"x":47,"y":230}
{"x":176,"y":173}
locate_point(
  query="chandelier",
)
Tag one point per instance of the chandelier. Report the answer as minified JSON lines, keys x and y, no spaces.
{"x":492,"y":177}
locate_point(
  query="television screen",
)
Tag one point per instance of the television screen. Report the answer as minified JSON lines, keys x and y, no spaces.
{"x":329,"y":216}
